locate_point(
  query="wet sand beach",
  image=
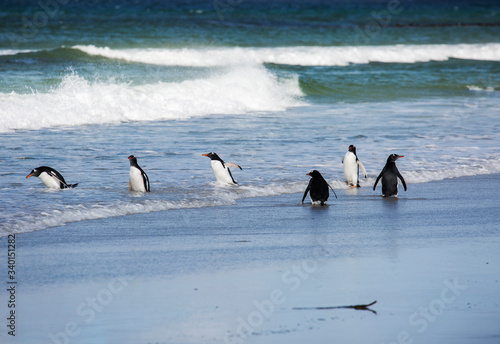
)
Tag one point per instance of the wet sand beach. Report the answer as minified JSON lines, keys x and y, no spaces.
{"x":236,"y":274}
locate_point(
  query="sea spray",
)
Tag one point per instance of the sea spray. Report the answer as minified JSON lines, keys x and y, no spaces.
{"x":77,"y":101}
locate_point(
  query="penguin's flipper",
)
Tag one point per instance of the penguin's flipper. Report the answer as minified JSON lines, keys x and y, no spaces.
{"x":231,"y":175}
{"x":402,"y":180}
{"x":362,"y":168}
{"x":305,"y":192}
{"x":60,"y":178}
{"x":376,"y":181}
{"x":331,"y":188}
{"x":230,"y":164}
{"x":146,"y":181}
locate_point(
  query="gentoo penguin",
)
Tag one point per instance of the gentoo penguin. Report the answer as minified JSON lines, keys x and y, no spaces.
{"x":317,"y":188}
{"x":221,"y":169}
{"x":139,"y":180}
{"x":351,"y":167}
{"x":50,"y":177}
{"x":390,"y":175}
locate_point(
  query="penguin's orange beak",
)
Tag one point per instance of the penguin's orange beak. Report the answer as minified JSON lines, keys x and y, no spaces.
{"x":401,"y":156}
{"x":29,"y":175}
{"x":308,"y":174}
{"x":204,"y":155}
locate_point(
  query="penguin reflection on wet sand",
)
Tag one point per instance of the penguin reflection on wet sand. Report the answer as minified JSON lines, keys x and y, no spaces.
{"x":390,"y":175}
{"x":221,"y":169}
{"x":351,"y":167}
{"x":317,"y":188}
{"x":50,"y":177}
{"x":139,"y":180}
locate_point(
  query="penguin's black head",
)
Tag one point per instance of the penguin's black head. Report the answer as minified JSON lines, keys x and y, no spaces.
{"x":212,"y":156}
{"x":35,"y":172}
{"x":133,"y":160}
{"x":394,"y":157}
{"x":352,"y":149}
{"x":314,"y":174}
{"x":39,"y":170}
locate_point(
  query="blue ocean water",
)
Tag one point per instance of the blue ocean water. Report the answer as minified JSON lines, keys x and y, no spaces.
{"x":279,"y":87}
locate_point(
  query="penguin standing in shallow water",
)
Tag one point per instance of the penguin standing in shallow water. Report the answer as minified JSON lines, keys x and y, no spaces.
{"x":50,"y":177}
{"x":317,"y":188}
{"x":221,"y":169}
{"x":139,"y":180}
{"x":390,"y":175}
{"x":351,"y":167}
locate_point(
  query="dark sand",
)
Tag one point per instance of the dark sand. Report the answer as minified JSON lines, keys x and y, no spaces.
{"x":431,"y":260}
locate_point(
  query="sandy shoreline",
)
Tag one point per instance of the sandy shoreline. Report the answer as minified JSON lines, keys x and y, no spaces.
{"x":234,"y":274}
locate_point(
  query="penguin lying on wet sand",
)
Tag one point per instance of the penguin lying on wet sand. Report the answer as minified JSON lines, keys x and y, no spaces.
{"x":317,"y":188}
{"x":139,"y":180}
{"x":390,"y":175}
{"x":221,"y":169}
{"x":50,"y":177}
{"x":351,"y":167}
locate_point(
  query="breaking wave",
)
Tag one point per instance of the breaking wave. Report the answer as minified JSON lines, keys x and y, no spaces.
{"x":77,"y":101}
{"x":299,"y":56}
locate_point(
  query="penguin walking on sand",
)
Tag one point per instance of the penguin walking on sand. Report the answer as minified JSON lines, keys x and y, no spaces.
{"x":351,"y":167}
{"x":139,"y":180}
{"x":390,"y":175}
{"x":50,"y":177}
{"x":221,"y":169}
{"x":317,"y":188}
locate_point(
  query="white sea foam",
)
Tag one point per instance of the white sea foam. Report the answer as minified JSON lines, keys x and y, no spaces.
{"x":69,"y":214}
{"x":9,"y":52}
{"x":300,"y":55}
{"x":466,"y":167}
{"x":220,"y":196}
{"x":413,"y":174}
{"x":76,"y":101}
{"x":480,"y":89}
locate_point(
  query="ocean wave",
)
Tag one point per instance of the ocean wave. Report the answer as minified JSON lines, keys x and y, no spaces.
{"x":467,"y":167}
{"x":76,"y":101}
{"x":82,"y":212}
{"x":12,"y":52}
{"x":213,"y":195}
{"x":299,"y":56}
{"x":218,"y":196}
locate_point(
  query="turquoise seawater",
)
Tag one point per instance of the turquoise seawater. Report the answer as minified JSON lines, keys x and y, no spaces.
{"x":279,"y":87}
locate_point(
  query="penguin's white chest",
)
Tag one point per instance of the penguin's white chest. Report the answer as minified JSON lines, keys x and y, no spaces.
{"x":136,"y":180}
{"x":221,"y":172}
{"x":351,"y":168}
{"x":50,"y":181}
